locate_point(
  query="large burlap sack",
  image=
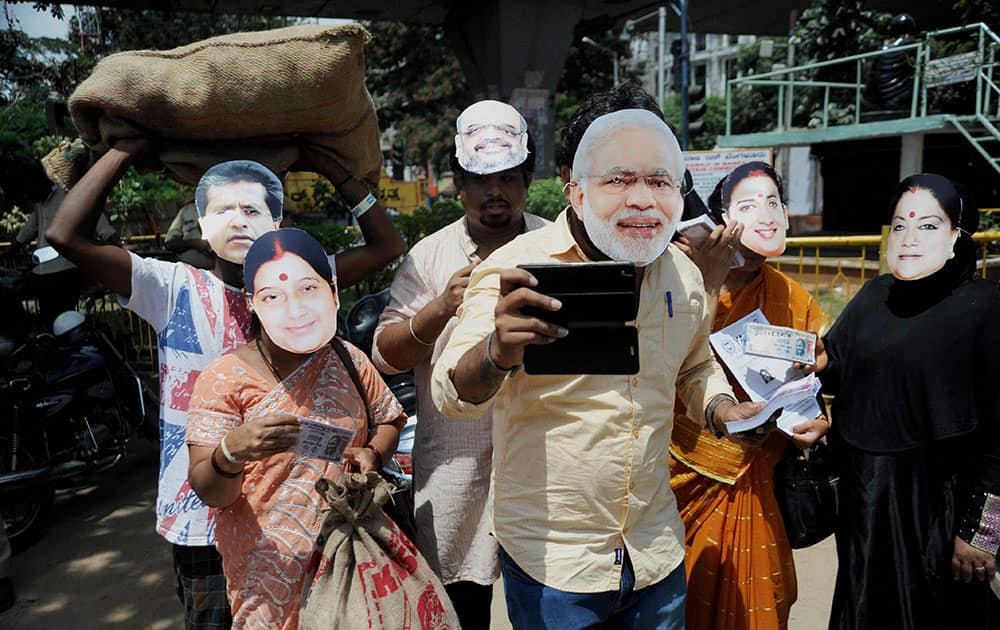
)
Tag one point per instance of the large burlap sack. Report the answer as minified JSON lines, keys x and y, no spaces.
{"x":271,"y":96}
{"x":366,"y":573}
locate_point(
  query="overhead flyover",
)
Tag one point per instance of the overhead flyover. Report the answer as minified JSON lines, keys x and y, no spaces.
{"x":500,"y":42}
{"x":504,"y":45}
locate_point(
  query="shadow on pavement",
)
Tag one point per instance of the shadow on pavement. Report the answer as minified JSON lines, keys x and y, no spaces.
{"x":101,"y":563}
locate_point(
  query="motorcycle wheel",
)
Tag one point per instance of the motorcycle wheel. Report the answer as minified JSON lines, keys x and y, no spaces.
{"x":25,"y":512}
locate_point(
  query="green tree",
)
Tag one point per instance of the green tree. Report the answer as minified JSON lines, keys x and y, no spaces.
{"x":754,"y":108}
{"x":418,"y":86}
{"x":986,"y":11}
{"x":424,"y":221}
{"x":588,"y":70}
{"x":714,"y":121}
{"x":546,"y":198}
{"x":833,"y":29}
{"x":146,"y":29}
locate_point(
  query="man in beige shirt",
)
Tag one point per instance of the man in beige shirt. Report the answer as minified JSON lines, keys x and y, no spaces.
{"x":452,"y":459}
{"x":582,"y":509}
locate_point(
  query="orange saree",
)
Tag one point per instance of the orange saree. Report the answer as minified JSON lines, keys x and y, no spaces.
{"x":738,"y":561}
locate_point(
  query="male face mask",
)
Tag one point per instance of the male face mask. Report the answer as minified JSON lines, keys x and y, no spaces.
{"x":626,"y":188}
{"x":491,"y":138}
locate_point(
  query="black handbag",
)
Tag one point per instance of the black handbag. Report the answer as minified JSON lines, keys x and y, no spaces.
{"x":401,"y":508}
{"x":805,"y":484}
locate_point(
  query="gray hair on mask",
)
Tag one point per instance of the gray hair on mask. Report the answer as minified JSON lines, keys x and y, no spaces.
{"x":603,"y":129}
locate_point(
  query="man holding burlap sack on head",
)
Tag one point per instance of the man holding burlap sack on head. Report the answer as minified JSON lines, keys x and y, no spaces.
{"x":200,"y":315}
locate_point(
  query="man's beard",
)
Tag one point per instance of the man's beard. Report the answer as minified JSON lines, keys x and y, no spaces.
{"x":485,"y":165}
{"x":495,"y":220}
{"x":622,"y":247}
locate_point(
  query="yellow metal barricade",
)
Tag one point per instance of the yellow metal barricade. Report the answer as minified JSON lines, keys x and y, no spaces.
{"x":833,"y":268}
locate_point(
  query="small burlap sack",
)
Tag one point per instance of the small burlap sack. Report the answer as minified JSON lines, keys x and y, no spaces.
{"x":273,"y":96}
{"x":66,"y":163}
{"x":367,"y":574}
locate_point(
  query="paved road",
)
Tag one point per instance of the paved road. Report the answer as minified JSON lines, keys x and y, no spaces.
{"x":100,"y":565}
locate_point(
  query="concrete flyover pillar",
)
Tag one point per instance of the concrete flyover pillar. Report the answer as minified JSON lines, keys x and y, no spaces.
{"x":513,"y":44}
{"x":911,"y":155}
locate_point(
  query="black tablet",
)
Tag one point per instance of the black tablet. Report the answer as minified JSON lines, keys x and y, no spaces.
{"x":598,"y":300}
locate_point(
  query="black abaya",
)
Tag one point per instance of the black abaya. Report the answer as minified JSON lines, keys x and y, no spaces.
{"x":916,"y":432}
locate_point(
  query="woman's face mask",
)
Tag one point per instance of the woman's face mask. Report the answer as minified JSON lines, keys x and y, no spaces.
{"x":296,"y":306}
{"x":756,"y":204}
{"x":921,"y":237}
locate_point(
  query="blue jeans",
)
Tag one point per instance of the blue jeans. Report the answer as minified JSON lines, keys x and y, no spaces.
{"x":532,"y":605}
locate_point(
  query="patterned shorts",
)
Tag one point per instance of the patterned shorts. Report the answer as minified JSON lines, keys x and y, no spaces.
{"x":201,"y":587}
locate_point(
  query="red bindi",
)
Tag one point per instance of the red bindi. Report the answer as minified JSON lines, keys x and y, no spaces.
{"x":912,"y":214}
{"x":284,"y":276}
{"x":913,"y":189}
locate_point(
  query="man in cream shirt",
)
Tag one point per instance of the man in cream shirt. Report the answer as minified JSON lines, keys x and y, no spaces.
{"x":588,"y":527}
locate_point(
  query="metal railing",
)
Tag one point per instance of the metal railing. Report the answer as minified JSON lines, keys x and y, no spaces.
{"x":833,"y":268}
{"x":787,"y":80}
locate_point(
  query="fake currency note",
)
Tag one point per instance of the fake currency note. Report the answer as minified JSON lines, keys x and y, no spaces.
{"x":779,"y":342}
{"x":789,"y":395}
{"x":321,"y":440}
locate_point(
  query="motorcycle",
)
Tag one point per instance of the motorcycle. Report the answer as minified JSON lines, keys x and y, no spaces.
{"x":359,"y":328}
{"x":73,"y":402}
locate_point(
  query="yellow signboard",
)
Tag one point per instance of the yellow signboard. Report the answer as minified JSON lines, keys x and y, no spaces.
{"x":404,"y":197}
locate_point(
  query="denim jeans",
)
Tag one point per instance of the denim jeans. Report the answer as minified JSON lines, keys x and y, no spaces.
{"x":532,"y":605}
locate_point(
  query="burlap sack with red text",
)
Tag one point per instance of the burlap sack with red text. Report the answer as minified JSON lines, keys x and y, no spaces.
{"x":367,"y":574}
{"x":277,"y":97}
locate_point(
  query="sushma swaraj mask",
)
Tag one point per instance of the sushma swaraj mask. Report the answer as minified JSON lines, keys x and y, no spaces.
{"x":491,"y":137}
{"x":292,"y":290}
{"x":752,"y":195}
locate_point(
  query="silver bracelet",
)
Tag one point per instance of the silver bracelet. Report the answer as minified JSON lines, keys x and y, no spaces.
{"x":229,"y":456}
{"x":414,"y":334}
{"x":489,"y":354}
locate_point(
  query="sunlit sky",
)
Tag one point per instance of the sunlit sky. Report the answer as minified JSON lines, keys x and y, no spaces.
{"x":42,"y":24}
{"x":37,"y":23}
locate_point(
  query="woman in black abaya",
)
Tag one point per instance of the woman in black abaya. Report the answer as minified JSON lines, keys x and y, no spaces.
{"x":914,"y":367}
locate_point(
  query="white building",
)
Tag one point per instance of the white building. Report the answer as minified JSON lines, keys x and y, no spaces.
{"x":712,"y":57}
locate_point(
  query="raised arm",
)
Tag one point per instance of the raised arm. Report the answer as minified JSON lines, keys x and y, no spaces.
{"x":401,"y":341}
{"x":480,"y":372}
{"x":72,"y":228}
{"x":383,"y":242}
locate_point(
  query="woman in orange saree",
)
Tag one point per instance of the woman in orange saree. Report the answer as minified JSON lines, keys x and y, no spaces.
{"x":244,"y":416}
{"x":740,"y":573}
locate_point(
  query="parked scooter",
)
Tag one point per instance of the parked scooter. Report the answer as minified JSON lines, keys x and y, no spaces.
{"x":73,"y":401}
{"x":360,"y":330}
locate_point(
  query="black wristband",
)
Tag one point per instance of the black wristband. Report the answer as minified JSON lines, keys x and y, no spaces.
{"x":218,"y":469}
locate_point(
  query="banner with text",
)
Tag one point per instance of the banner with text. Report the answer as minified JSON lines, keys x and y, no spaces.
{"x":708,"y":167}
